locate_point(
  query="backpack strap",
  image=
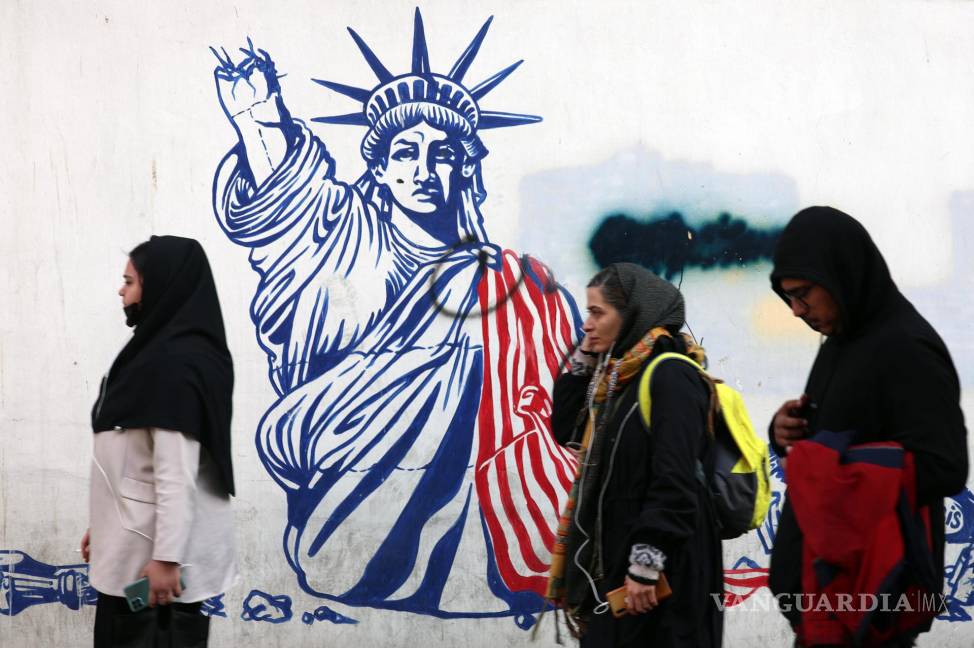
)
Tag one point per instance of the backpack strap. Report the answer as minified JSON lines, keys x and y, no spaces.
{"x":704,"y":463}
{"x":644,"y":394}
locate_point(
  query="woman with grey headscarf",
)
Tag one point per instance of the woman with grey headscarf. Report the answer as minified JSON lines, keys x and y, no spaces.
{"x":639,"y":507}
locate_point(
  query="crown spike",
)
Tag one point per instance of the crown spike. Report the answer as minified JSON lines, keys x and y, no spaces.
{"x":463,"y":63}
{"x":491,"y":119}
{"x":419,"y":85}
{"x":351,"y":119}
{"x":421,"y":56}
{"x":378,"y":68}
{"x":486,"y":86}
{"x":358,"y":94}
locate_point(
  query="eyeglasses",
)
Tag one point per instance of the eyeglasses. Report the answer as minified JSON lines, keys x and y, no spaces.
{"x":798,"y":295}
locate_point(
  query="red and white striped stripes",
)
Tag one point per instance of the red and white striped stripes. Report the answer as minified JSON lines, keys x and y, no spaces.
{"x":522,"y":475}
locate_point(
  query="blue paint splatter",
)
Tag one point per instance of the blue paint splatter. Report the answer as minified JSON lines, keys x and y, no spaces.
{"x":325,"y":613}
{"x":214,"y":607}
{"x":261,"y":606}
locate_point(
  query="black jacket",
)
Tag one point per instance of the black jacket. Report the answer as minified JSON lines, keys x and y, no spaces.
{"x":652,"y":495}
{"x":885,"y":376}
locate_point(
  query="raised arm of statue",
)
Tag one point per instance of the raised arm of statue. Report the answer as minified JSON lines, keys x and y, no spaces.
{"x":250,"y":95}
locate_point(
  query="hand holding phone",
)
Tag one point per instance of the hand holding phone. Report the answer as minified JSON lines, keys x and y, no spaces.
{"x":137,"y":593}
{"x":161,"y":582}
{"x":618,"y":598}
{"x":791,"y":421}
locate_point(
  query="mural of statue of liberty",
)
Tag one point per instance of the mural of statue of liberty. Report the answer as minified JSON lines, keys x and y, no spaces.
{"x":412,"y":358}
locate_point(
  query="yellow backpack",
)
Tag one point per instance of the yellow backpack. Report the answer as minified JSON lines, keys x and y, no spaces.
{"x":736,"y":468}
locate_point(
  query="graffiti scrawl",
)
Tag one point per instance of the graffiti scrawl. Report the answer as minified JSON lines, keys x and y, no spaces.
{"x":267,"y":608}
{"x":214,"y":607}
{"x":325,"y":613}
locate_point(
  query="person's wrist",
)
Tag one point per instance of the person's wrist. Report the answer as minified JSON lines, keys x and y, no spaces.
{"x":642,"y":574}
{"x":582,"y":363}
{"x":164,"y":565}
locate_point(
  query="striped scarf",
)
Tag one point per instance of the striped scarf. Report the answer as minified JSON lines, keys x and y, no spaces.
{"x":604,"y":386}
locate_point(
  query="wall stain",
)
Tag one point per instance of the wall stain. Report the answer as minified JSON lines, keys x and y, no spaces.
{"x":666,"y":244}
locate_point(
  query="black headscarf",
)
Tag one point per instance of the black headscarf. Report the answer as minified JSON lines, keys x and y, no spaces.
{"x":176,"y":372}
{"x":650,"y":302}
{"x":833,"y":250}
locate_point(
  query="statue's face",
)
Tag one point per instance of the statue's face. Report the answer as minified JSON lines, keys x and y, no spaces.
{"x":422,"y":168}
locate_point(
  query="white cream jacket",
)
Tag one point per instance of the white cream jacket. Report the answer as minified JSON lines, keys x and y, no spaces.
{"x":155,"y":494}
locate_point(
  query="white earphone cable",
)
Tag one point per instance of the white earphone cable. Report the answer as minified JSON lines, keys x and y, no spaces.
{"x":118,"y":509}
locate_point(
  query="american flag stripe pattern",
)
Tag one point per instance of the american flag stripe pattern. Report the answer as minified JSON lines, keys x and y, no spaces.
{"x":522,"y":475}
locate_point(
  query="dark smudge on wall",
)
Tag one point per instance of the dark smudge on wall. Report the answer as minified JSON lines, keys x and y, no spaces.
{"x":667,"y":245}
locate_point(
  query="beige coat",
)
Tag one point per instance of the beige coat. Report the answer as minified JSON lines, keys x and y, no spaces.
{"x":155,"y":494}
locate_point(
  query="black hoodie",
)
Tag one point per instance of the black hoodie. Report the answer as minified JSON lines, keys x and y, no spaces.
{"x":886,"y":375}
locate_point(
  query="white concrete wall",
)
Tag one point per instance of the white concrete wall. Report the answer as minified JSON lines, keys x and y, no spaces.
{"x":112,"y":131}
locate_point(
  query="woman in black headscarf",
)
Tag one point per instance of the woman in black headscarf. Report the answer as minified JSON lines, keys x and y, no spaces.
{"x":640,"y":507}
{"x":161,"y":472}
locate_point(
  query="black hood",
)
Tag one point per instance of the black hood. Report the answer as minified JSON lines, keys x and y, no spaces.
{"x":834,"y":250}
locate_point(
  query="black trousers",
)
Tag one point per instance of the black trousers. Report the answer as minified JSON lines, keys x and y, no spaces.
{"x":178,"y":625}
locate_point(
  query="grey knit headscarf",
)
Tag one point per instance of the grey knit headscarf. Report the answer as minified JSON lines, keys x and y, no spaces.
{"x":650,"y":302}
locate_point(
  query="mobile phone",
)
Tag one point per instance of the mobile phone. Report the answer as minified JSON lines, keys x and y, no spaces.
{"x":809,"y":412}
{"x":617,"y":597}
{"x":137,"y":593}
{"x":617,"y":601}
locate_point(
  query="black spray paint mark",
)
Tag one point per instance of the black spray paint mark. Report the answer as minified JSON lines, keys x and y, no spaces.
{"x":483,"y":261}
{"x":545,"y":277}
{"x":666,"y":245}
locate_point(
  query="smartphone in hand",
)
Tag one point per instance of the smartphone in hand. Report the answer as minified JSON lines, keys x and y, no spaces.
{"x":137,"y":593}
{"x":617,"y":597}
{"x":809,"y":412}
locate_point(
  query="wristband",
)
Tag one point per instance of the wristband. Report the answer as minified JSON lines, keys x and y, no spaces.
{"x":642,"y":580}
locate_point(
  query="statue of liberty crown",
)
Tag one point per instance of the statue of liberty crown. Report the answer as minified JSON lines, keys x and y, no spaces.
{"x":420,"y":84}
